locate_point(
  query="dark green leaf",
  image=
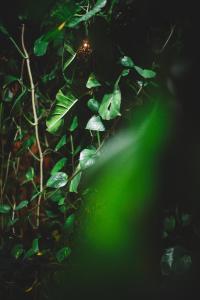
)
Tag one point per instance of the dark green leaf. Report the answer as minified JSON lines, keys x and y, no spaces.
{"x":17,"y":251}
{"x":29,"y":253}
{"x":72,"y":53}
{"x":169,"y":224}
{"x":74,"y":124}
{"x":4,"y":208}
{"x":185,"y":219}
{"x":21,"y":205}
{"x":40,"y":46}
{"x":93,"y":105}
{"x":35,"y":245}
{"x":57,"y":180}
{"x":30,"y":174}
{"x":69,"y":223}
{"x":59,"y":165}
{"x":61,"y":143}
{"x":62,"y":254}
{"x":3,"y":30}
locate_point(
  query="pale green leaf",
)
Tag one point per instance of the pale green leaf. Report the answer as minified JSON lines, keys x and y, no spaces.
{"x":87,"y":158}
{"x":127,"y":62}
{"x":96,"y":9}
{"x":57,"y":180}
{"x":63,"y":104}
{"x":92,"y":82}
{"x":95,"y":124}
{"x":110,"y":106}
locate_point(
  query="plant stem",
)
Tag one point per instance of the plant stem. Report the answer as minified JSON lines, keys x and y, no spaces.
{"x":98,"y":139}
{"x":27,"y":59}
{"x":17,"y":47}
{"x":72,"y":150}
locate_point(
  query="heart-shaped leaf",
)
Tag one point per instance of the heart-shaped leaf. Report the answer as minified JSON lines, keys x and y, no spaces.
{"x":57,"y":180}
{"x":95,"y":124}
{"x":93,"y":105}
{"x":92,"y":82}
{"x":87,"y":158}
{"x":110,"y":106}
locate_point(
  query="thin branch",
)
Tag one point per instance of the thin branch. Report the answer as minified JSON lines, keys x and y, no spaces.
{"x":168,"y":39}
{"x":27,"y":58}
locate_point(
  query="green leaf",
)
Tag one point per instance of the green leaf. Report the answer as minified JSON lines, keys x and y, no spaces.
{"x":50,"y":214}
{"x":125,"y":72}
{"x":127,"y":62}
{"x":92,"y":82}
{"x":59,"y":165}
{"x":4,"y":208}
{"x":57,"y":180}
{"x":73,"y":188}
{"x":95,"y":124}
{"x":61,"y":143}
{"x":40,"y":46}
{"x":145,"y":73}
{"x":17,"y":251}
{"x":3,"y":30}
{"x":93,"y":105}
{"x":30,"y":174}
{"x":69,"y":61}
{"x":33,"y":250}
{"x":74,"y":124}
{"x":63,"y":104}
{"x":26,"y":145}
{"x":35,"y":245}
{"x":110,"y":105}
{"x":169,"y":224}
{"x":19,"y":98}
{"x":72,"y":53}
{"x":29,"y":253}
{"x":69,"y":223}
{"x":176,"y":261}
{"x":10,"y":79}
{"x":21,"y":205}
{"x":87,"y":158}
{"x":97,"y":8}
{"x":57,"y":197}
{"x":185,"y":219}
{"x":62,"y":254}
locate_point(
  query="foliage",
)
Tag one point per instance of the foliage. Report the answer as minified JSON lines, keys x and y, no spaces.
{"x":62,"y":99}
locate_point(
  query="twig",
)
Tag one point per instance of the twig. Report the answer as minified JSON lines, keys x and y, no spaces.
{"x":27,"y":59}
{"x":168,"y":39}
